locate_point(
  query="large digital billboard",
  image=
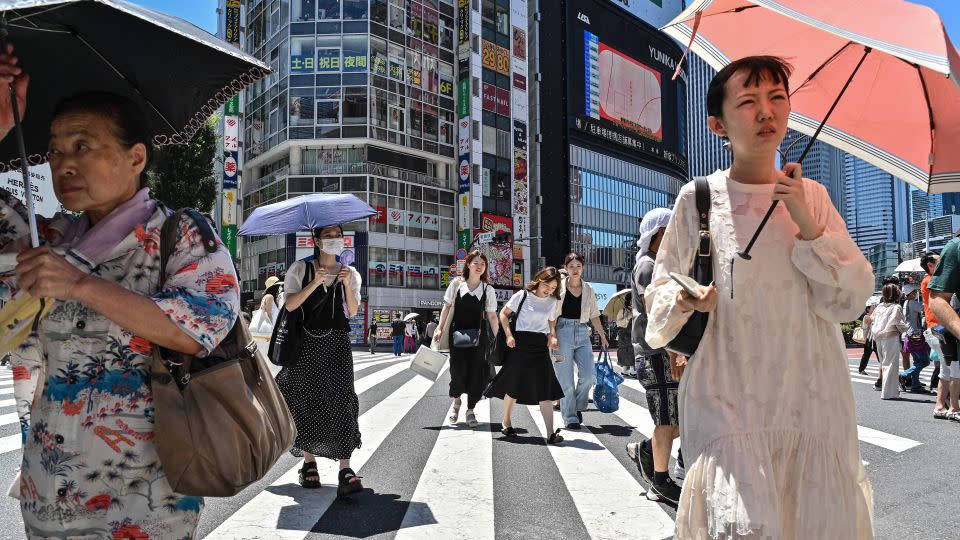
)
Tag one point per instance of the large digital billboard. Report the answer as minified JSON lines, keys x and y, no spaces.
{"x":620,"y":87}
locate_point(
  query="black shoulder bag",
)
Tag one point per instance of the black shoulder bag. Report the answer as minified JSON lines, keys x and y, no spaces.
{"x":497,"y":353}
{"x":288,"y":330}
{"x":688,"y":339}
{"x":468,"y":338}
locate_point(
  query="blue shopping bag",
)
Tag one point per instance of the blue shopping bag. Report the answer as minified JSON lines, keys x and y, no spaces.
{"x":606,"y":397}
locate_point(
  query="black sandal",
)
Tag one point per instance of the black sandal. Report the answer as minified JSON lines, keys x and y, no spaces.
{"x":349,"y":483}
{"x":309,"y":470}
{"x":555,"y":438}
{"x":508,"y":431}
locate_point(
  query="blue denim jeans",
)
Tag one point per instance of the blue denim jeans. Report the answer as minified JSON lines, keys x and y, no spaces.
{"x":920,"y":361}
{"x":397,"y":345}
{"x":576,"y":349}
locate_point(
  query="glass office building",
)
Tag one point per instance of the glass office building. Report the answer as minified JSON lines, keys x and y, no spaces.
{"x":876,"y":206}
{"x":361,"y":101}
{"x":707,"y":153}
{"x":824,"y":163}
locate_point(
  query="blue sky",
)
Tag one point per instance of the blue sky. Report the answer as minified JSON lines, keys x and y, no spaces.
{"x":203,"y":13}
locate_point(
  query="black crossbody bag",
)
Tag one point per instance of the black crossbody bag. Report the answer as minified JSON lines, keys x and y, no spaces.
{"x":688,"y":339}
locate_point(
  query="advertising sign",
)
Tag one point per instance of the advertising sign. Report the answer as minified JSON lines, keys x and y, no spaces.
{"x":231,"y":133}
{"x":621,"y":92}
{"x":463,"y":172}
{"x":232,"y":106}
{"x":502,"y":101}
{"x":495,"y":57}
{"x":463,"y":136}
{"x":228,"y":221}
{"x":500,"y":254}
{"x":45,"y":201}
{"x":519,"y":43}
{"x":463,"y":98}
{"x":230,"y":167}
{"x":463,"y":211}
{"x":603,"y":291}
{"x":302,"y":63}
{"x":463,"y":22}
{"x":519,"y":81}
{"x":519,"y":135}
{"x":463,"y":239}
{"x":232,"y":26}
{"x":489,"y":94}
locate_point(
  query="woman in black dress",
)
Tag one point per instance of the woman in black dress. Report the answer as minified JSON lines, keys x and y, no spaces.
{"x":527,"y":376}
{"x":467,"y":301}
{"x":319,"y":388}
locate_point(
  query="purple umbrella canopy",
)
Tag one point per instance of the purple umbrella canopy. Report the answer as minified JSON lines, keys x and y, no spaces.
{"x":305,"y":213}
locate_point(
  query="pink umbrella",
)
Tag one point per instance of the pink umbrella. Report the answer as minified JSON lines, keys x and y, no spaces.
{"x":890,"y":61}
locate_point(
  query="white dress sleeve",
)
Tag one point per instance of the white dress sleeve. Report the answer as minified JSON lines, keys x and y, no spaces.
{"x":676,"y":254}
{"x":355,"y":283}
{"x":450,"y":296}
{"x":839,"y":278}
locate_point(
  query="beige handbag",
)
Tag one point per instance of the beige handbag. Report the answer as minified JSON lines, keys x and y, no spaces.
{"x":220,"y":421}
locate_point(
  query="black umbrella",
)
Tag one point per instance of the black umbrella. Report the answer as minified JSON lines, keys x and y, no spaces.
{"x":179,"y":74}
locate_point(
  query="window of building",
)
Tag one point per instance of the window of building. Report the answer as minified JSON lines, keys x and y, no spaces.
{"x":328,"y":54}
{"x":378,"y":56}
{"x":414,"y":270}
{"x":431,"y":32}
{"x":503,"y":20}
{"x":415,"y":218}
{"x":328,"y":9}
{"x":430,"y":123}
{"x":354,"y":53}
{"x":398,"y":18}
{"x":446,"y":133}
{"x":397,"y":63}
{"x":415,"y":119}
{"x":301,"y":107}
{"x":354,"y":10}
{"x":328,"y":111}
{"x":378,"y":11}
{"x":378,"y":266}
{"x":414,"y":68}
{"x":302,"y":59}
{"x":303,"y":10}
{"x":355,"y":105}
{"x":431,"y":271}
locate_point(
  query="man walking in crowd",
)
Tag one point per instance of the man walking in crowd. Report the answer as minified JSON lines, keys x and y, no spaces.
{"x":655,"y":371}
{"x":398,"y":333}
{"x":428,"y":335}
{"x":929,"y":264}
{"x":372,"y":336}
{"x":943,"y":285}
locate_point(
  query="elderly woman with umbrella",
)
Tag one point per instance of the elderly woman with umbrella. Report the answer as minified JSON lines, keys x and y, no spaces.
{"x":90,"y":465}
{"x":324,"y":290}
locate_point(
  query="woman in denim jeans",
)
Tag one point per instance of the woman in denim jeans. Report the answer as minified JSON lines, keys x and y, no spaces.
{"x":577,"y":309}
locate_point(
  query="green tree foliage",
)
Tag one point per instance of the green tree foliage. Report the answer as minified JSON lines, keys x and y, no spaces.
{"x":182,"y":175}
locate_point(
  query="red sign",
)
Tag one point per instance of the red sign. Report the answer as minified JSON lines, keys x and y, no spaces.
{"x":453,"y":270}
{"x":489,"y":97}
{"x":381,"y":216}
{"x":503,"y":102}
{"x":519,"y":81}
{"x":496,"y":224}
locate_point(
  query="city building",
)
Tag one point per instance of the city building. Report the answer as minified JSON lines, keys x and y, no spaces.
{"x":823,"y":163}
{"x":876,"y":205}
{"x":361,"y":101}
{"x":924,"y":205}
{"x":884,"y":257}
{"x":707,"y":153}
{"x":934,"y":233}
{"x":610,"y":125}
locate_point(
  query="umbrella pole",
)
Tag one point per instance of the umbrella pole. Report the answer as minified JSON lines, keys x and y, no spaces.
{"x":745,"y":254}
{"x":18,"y":133}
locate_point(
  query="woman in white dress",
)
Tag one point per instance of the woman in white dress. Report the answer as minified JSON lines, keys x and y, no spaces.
{"x":766,"y":409}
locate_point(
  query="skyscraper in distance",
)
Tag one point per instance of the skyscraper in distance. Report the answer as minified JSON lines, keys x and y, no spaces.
{"x":824,"y":163}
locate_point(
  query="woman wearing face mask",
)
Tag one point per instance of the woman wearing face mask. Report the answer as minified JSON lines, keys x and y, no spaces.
{"x":319,"y":388}
{"x":576,"y":311}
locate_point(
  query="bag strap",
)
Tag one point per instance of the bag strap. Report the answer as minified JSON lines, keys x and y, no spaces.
{"x":519,"y":309}
{"x":703,"y":259}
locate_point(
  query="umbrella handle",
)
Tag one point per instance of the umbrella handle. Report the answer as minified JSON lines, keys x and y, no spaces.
{"x":18,"y":133}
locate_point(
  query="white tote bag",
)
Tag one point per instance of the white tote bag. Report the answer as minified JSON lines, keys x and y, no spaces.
{"x":259,"y":324}
{"x":428,"y":362}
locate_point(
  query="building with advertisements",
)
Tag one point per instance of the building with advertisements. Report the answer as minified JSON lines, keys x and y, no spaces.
{"x":361,"y":101}
{"x":610,"y":124}
{"x":493,"y":118}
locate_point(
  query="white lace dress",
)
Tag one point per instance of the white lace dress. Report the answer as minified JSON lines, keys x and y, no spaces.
{"x":766,"y":409}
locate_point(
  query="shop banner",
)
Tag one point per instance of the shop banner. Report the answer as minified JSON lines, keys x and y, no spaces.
{"x":463,"y":170}
{"x":464,"y":238}
{"x":231,"y":133}
{"x":463,"y":136}
{"x":463,"y":98}
{"x":463,"y":211}
{"x":232,"y":26}
{"x":230,"y":167}
{"x":519,"y":43}
{"x":503,"y":101}
{"x":228,"y":234}
{"x":232,"y":106}
{"x":463,"y":22}
{"x":489,"y":94}
{"x":381,"y":216}
{"x":45,"y":201}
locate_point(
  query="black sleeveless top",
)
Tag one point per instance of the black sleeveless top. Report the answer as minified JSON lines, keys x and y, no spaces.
{"x":323,"y":309}
{"x":468,"y":310}
{"x":571,"y":306}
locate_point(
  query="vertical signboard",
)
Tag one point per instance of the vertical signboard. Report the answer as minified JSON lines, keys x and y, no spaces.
{"x":464,"y":124}
{"x":520,"y":113}
{"x":231,"y":143}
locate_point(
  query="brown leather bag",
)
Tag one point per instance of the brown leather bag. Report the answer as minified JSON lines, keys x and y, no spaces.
{"x":220,"y":420}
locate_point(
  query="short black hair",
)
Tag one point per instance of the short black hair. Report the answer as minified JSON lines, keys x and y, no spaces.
{"x":928,"y":257}
{"x":757,"y":67}
{"x":127,"y":117}
{"x":892,"y":279}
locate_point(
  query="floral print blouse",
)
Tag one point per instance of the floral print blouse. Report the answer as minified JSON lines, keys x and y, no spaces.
{"x":90,"y":468}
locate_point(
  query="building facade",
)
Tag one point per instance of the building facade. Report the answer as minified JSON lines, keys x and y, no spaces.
{"x":610,"y":125}
{"x":361,"y":101}
{"x":934,"y":233}
{"x":876,"y":204}
{"x":707,"y":153}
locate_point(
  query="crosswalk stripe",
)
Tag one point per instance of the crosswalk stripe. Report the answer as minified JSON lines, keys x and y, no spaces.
{"x":358,"y":366}
{"x":885,"y":440}
{"x":10,"y":443}
{"x":377,"y":377}
{"x":583,"y":462}
{"x":260,"y":517}
{"x":456,"y":487}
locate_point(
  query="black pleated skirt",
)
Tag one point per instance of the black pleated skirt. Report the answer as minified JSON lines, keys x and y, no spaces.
{"x":527,"y":374}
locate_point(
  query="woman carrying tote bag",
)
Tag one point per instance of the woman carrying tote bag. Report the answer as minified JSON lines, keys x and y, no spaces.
{"x":467,"y":301}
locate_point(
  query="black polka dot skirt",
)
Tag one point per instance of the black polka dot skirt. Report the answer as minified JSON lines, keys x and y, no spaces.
{"x":320,"y":394}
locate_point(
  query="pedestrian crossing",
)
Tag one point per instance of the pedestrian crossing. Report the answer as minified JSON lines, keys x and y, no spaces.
{"x":873,"y":370}
{"x":428,"y":479}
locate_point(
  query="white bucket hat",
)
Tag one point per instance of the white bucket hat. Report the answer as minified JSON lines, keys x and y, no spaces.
{"x":652,"y":222}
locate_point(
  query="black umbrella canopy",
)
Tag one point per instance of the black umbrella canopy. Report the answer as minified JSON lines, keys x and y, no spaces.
{"x":178,"y":73}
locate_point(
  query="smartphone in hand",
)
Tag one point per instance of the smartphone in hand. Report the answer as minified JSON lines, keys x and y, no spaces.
{"x":688,"y":283}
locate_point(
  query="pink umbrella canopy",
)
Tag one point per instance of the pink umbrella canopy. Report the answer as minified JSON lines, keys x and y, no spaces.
{"x":901,"y":111}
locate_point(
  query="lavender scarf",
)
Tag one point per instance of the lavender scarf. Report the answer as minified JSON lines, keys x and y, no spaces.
{"x":96,"y":243}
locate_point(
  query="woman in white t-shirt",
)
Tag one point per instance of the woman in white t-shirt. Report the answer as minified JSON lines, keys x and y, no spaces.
{"x":527,"y":376}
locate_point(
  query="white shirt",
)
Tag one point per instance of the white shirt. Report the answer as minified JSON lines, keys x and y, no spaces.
{"x":460,"y":286}
{"x":293,"y":282}
{"x":536,"y":314}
